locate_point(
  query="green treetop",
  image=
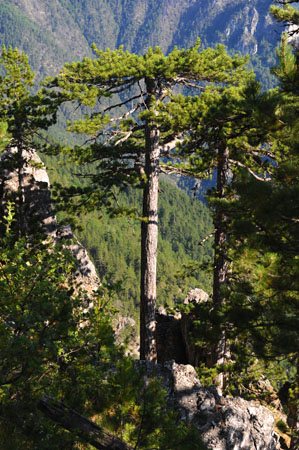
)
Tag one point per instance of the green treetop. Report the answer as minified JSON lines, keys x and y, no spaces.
{"x":24,"y":112}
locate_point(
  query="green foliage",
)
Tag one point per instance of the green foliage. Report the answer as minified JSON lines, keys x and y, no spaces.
{"x":270,"y":209}
{"x":24,"y":112}
{"x":259,"y":305}
{"x":118,"y":151}
{"x":287,"y":68}
{"x":139,"y":412}
{"x":49,"y":343}
{"x":43,"y":347}
{"x":261,"y":310}
{"x":286,"y":13}
{"x":35,"y":309}
{"x":41,"y":337}
{"x":114,"y":243}
{"x":4,"y":136}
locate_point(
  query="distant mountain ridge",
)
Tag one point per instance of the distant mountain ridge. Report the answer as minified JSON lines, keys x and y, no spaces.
{"x":54,"y":31}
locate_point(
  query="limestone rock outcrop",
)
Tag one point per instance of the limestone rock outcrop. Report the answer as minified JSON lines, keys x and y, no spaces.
{"x":223,"y":423}
{"x":24,"y":179}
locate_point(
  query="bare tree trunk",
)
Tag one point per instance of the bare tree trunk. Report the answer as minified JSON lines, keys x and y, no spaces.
{"x":81,"y":426}
{"x":220,"y":257}
{"x":220,"y":254}
{"x":149,"y":238}
{"x":293,"y":417}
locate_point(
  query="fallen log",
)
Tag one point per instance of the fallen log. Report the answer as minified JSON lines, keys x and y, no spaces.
{"x":84,"y":428}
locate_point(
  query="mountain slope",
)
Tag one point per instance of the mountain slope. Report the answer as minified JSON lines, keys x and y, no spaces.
{"x":114,"y":244}
{"x":45,"y":31}
{"x":55,"y":31}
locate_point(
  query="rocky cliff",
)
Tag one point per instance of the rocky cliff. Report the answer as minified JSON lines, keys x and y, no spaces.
{"x":24,"y":179}
{"x":223,"y":423}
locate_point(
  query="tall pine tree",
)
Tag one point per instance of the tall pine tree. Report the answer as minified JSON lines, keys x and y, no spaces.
{"x":125,"y":137}
{"x":23,"y":115}
{"x":226,"y":129}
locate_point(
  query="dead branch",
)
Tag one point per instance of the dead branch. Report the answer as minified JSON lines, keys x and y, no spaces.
{"x":239,"y":164}
{"x":118,"y":105}
{"x":84,"y":428}
{"x":207,"y":237}
{"x":186,"y":82}
{"x":169,"y":170}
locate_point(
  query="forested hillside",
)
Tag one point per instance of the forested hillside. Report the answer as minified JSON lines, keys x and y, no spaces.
{"x":54,"y":31}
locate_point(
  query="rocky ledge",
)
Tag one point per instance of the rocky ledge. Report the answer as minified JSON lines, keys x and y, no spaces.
{"x":24,"y":180}
{"x":223,"y":423}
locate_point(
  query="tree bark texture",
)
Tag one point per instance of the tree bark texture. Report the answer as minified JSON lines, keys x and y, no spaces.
{"x":293,"y":418}
{"x":220,"y":253}
{"x":87,"y":430}
{"x":220,"y":352}
{"x":149,"y":238}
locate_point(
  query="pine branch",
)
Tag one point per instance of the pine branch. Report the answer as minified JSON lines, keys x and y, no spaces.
{"x":239,"y":164}
{"x":185,"y":82}
{"x":116,"y":87}
{"x":118,"y":105}
{"x":169,"y":170}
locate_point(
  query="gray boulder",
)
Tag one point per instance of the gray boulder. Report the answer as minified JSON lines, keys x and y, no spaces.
{"x":223,"y":423}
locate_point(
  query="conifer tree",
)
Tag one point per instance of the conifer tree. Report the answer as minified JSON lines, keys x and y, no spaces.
{"x":264,"y":300}
{"x":23,"y":114}
{"x":287,"y":14}
{"x":264,"y":285}
{"x":126,"y":139}
{"x":258,"y":309}
{"x":226,"y":130}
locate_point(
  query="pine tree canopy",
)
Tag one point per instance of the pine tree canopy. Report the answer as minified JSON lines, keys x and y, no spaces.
{"x":24,"y":112}
{"x":119,"y":93}
{"x":287,"y":14}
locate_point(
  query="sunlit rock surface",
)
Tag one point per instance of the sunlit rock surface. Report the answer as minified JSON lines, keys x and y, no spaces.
{"x":223,"y":423}
{"x":24,"y":179}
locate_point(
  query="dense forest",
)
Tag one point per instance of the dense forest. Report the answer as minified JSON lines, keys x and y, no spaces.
{"x":142,"y":121}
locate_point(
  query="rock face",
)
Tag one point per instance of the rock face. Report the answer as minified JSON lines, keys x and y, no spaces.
{"x":170,"y":343}
{"x":174,"y":332}
{"x":24,"y":179}
{"x":223,"y":423}
{"x":53,"y":26}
